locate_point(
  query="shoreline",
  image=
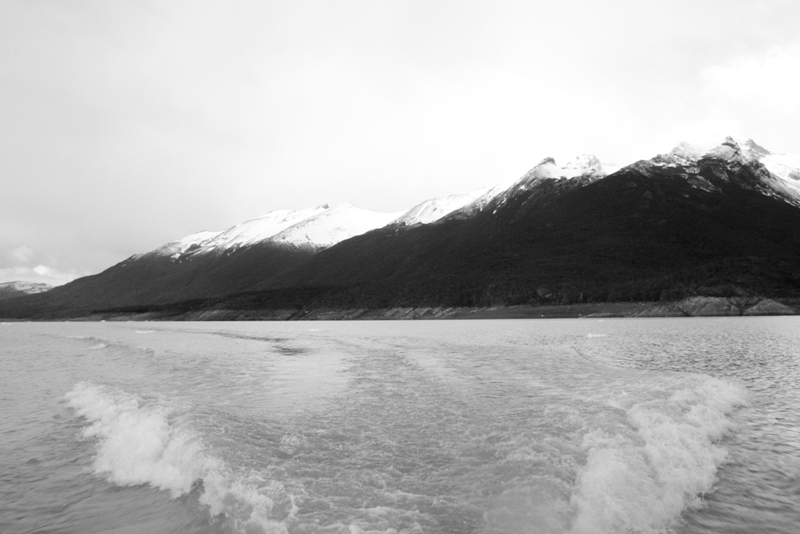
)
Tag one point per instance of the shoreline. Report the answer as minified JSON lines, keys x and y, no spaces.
{"x":689,"y":307}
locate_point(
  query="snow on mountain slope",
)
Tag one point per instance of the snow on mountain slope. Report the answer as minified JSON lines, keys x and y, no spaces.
{"x":20,"y":288}
{"x":436,"y":208}
{"x":731,"y":148}
{"x":744,"y":149}
{"x":243,"y":234}
{"x":686,"y":152}
{"x":260,"y":228}
{"x":175,"y":249}
{"x":324,"y":226}
{"x":784,"y":169}
{"x":27,"y":287}
{"x":584,"y":165}
{"x":579,"y":166}
{"x":784,"y":166}
{"x":548,"y":169}
{"x":317,"y":227}
{"x":333,"y":225}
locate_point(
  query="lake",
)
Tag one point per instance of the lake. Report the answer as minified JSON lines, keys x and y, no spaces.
{"x":584,"y":426}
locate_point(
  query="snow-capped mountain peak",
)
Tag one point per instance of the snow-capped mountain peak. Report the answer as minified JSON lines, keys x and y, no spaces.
{"x":730,"y":149}
{"x":175,"y":249}
{"x":785,"y":170}
{"x":584,"y":162}
{"x":687,"y":152}
{"x":19,"y":288}
{"x":737,"y":149}
{"x":244,"y":234}
{"x":751,"y":149}
{"x":435,"y":209}
{"x":582,"y":165}
{"x":318,"y":227}
{"x":261,"y":228}
{"x":783,"y":177}
{"x":333,"y":225}
{"x":323,"y":226}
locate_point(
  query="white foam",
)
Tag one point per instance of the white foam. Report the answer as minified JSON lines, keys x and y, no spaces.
{"x":137,"y":444}
{"x":148,"y":443}
{"x":640,"y":476}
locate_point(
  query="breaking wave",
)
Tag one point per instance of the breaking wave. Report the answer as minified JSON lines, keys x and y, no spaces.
{"x":641,"y":475}
{"x":149,"y":442}
{"x":646,"y":455}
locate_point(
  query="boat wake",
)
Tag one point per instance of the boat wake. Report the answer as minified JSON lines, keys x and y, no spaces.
{"x":149,"y":442}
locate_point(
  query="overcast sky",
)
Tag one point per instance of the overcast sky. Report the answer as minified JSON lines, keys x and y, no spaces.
{"x":128,"y":124}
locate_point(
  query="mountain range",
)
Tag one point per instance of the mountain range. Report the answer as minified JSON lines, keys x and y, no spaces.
{"x":20,"y":288}
{"x":719,"y":222}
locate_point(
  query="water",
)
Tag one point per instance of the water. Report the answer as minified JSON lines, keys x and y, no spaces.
{"x":576,"y":426}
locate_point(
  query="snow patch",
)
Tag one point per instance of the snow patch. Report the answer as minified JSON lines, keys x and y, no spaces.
{"x":324,"y":226}
{"x":785,"y":168}
{"x":434,"y":209}
{"x":437,"y":208}
{"x":318,"y":227}
{"x":582,"y":165}
{"x":24,"y":287}
{"x":261,"y":228}
{"x":176,"y":248}
{"x":333,"y":225}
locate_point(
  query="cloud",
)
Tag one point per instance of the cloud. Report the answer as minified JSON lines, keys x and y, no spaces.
{"x":22,"y":254}
{"x":39,"y":273}
{"x":767,"y":81}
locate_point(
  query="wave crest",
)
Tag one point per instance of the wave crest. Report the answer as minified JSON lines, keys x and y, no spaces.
{"x":138,"y":443}
{"x":640,"y":478}
{"x":147,"y":442}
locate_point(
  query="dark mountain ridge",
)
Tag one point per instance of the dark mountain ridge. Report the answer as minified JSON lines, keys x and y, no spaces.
{"x":657,"y":230}
{"x":642,"y":233}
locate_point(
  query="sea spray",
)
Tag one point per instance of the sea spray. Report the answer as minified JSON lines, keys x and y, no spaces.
{"x":137,"y":442}
{"x":147,"y":442}
{"x":640,"y":476}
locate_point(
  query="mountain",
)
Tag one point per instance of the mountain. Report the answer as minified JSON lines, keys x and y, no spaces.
{"x":437,"y":208}
{"x":19,"y":288}
{"x":209,"y":264}
{"x":716,"y":221}
{"x":659,"y":228}
{"x":311,"y":228}
{"x":783,"y":170}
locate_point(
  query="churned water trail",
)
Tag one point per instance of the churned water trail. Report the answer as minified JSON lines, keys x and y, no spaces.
{"x":552,"y":427}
